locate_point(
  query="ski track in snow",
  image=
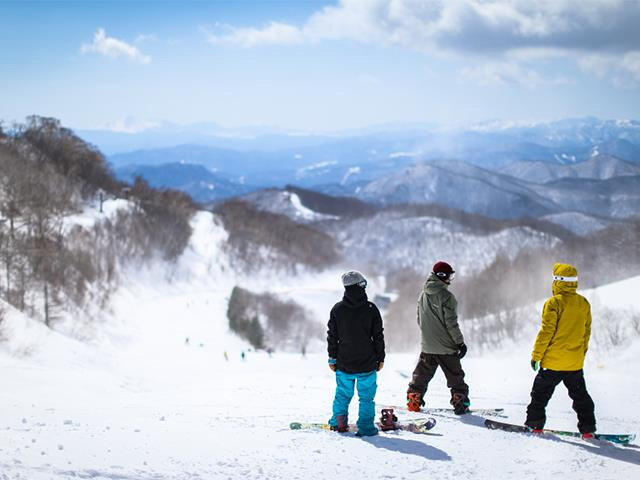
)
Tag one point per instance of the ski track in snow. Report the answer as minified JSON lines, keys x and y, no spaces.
{"x":163,"y":409}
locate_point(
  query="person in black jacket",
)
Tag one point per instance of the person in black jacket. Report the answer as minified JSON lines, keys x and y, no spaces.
{"x":356,"y":352}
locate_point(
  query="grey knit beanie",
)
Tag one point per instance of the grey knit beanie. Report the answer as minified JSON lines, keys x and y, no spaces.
{"x":353,"y":277}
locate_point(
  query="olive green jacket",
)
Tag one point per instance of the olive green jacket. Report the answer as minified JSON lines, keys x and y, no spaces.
{"x":438,"y":318}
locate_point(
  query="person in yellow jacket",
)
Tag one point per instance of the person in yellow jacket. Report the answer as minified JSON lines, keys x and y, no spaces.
{"x":559,"y":351}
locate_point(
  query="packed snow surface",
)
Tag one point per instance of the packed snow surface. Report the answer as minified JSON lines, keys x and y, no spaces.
{"x":163,"y":393}
{"x":155,"y":406}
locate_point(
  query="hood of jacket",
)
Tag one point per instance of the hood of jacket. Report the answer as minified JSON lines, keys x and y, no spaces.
{"x":434,"y":285}
{"x":564,"y":270}
{"x":354,"y":296}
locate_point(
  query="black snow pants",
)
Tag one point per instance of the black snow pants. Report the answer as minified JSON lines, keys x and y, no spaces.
{"x":543,"y":387}
{"x":426,"y":369}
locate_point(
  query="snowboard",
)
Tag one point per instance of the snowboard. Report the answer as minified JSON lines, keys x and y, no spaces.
{"x":417,"y":426}
{"x":496,"y":412}
{"x":615,"y":438}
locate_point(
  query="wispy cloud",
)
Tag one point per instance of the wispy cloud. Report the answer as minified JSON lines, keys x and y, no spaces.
{"x":623,"y":70}
{"x":273,"y":34}
{"x":500,"y":30}
{"x":508,"y":73}
{"x":114,"y":48}
{"x":146,"y":37}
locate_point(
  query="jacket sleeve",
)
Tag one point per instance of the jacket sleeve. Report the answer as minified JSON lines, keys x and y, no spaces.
{"x":450,"y":310}
{"x":548,"y":329}
{"x":378,"y":334}
{"x":332,"y":335}
{"x":587,"y":329}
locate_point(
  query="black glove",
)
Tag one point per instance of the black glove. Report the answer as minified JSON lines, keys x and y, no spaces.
{"x":462,"y":350}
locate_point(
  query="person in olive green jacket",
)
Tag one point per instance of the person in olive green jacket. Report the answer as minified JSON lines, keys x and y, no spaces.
{"x":442,"y":341}
{"x":559,"y":351}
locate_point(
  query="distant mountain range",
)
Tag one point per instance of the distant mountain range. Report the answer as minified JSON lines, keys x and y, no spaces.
{"x":467,"y":187}
{"x":203,"y":185}
{"x":599,"y":167}
{"x":586,"y":166}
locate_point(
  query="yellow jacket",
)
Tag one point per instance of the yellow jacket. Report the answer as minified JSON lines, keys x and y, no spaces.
{"x":563,"y":340}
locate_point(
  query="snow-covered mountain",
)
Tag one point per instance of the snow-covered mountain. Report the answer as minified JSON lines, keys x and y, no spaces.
{"x":466,"y":187}
{"x":578,"y":223}
{"x":617,"y":197}
{"x":394,"y":240}
{"x":200,"y":183}
{"x":459,"y":185}
{"x":599,"y":166}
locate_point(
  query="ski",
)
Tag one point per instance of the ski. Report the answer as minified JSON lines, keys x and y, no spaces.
{"x":615,"y":438}
{"x":496,"y":412}
{"x":418,"y":426}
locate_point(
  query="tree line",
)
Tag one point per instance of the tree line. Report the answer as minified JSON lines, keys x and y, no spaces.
{"x":47,"y":262}
{"x":491,"y":301}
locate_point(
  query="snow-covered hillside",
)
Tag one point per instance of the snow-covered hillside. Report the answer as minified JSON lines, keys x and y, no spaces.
{"x":163,"y":393}
{"x":391,"y":240}
{"x":597,"y":167}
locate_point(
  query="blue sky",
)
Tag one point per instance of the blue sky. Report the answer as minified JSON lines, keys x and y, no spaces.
{"x":314,"y":65}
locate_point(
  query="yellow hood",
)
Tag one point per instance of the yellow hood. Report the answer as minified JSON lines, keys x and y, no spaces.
{"x":564,"y":271}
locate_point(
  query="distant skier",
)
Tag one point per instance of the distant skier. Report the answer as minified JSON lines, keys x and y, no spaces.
{"x":442,"y":342}
{"x":559,"y":351}
{"x":356,"y":352}
{"x":242,"y":355}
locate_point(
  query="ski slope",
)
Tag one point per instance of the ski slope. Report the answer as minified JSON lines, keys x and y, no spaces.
{"x":142,"y":402}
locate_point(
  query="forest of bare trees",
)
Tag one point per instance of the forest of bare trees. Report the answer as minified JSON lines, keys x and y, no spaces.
{"x":48,"y":174}
{"x":491,"y":301}
{"x":260,"y":239}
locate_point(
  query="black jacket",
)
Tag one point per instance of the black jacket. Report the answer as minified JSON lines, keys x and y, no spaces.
{"x":355,"y":337}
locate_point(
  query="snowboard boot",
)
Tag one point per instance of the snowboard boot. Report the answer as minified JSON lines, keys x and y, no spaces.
{"x":460,"y":403}
{"x":414,"y":401}
{"x":343,"y":424}
{"x":588,"y":436}
{"x":536,"y":431}
{"x":388,"y":420}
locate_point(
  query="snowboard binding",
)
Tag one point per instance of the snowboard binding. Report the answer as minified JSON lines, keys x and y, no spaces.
{"x":388,"y":420}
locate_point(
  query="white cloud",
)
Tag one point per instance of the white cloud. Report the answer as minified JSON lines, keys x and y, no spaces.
{"x":114,"y":48}
{"x":502,"y":30}
{"x":507,"y":73}
{"x":273,"y":34}
{"x":460,"y":25}
{"x":622,"y":70}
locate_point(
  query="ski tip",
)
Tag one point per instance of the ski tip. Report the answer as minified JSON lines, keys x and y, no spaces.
{"x":295,"y":425}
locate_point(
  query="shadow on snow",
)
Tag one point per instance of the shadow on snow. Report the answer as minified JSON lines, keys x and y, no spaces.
{"x":409,"y":447}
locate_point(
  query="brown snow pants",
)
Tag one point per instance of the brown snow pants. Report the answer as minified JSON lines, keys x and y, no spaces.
{"x":426,"y":369}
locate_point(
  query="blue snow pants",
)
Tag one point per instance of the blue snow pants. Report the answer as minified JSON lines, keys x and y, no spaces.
{"x":367,"y":386}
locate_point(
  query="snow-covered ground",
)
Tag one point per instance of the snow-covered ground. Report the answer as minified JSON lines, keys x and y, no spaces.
{"x":142,"y":402}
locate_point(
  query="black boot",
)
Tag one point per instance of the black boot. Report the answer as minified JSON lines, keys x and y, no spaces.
{"x":460,"y":403}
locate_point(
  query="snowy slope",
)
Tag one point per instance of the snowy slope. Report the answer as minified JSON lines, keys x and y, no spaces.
{"x":392,"y":241}
{"x":145,"y":404}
